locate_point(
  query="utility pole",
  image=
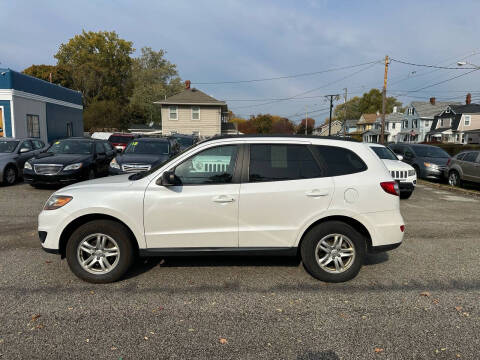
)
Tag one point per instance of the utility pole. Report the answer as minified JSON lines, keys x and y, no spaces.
{"x":331,"y":107}
{"x":384,"y":100}
{"x":345,"y":116}
{"x":306,"y":120}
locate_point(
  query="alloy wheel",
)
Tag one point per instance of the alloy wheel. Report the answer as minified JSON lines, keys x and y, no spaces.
{"x":453,"y":179}
{"x":98,"y":253}
{"x":10,"y":175}
{"x":335,"y":253}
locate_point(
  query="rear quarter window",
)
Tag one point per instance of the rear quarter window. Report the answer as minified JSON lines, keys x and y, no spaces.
{"x":337,"y":161}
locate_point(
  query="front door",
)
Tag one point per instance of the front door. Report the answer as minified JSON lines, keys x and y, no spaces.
{"x":202,"y":210}
{"x":284,"y":189}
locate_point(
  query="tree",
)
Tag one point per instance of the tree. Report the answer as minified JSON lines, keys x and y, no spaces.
{"x":154,"y":78}
{"x":370,"y":102}
{"x":262,"y":123}
{"x":105,"y":114}
{"x":282,"y":125}
{"x":51,"y":73}
{"x":310,"y":126}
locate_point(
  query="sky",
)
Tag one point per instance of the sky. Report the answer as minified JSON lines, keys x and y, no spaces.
{"x":229,"y":40}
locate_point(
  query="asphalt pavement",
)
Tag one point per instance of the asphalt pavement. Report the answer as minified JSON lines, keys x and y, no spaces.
{"x":420,"y":301}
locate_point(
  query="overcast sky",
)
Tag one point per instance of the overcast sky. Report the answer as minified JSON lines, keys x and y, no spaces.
{"x":227,"y":40}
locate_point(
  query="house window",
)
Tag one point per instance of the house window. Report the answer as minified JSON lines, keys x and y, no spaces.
{"x":463,"y":138}
{"x":441,"y":122}
{"x":393,"y":125}
{"x":427,"y":124}
{"x":33,"y":126}
{"x":195,"y":112}
{"x":415,"y":123}
{"x":173,"y":114}
{"x":467,"y":120}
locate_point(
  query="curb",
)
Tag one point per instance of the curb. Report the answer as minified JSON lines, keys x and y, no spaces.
{"x":450,"y":188}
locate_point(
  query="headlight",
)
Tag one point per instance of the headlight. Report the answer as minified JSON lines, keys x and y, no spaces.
{"x":28,"y":166}
{"x":427,"y":164}
{"x":73,"y":166}
{"x":56,"y":202}
{"x":114,"y":164}
{"x":411,"y":173}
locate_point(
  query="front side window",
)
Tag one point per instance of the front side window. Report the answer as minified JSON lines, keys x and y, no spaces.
{"x":33,"y":126}
{"x":26,"y":145}
{"x":8,"y":146}
{"x":338,"y":161}
{"x":467,"y":120}
{"x":212,"y":166}
{"x":173,"y":113}
{"x":471,"y":156}
{"x":37,"y":144}
{"x":99,"y":149}
{"x":277,"y":162}
{"x":195,"y":113}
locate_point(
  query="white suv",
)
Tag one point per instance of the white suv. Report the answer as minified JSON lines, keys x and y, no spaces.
{"x":327,"y":201}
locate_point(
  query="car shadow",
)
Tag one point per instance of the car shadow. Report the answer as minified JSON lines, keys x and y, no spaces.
{"x":376,"y":258}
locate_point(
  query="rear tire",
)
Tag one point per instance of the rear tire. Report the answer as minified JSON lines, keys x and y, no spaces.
{"x":417,"y":171}
{"x":328,"y":246}
{"x":100,"y":251}
{"x":406,"y":194}
{"x":10,"y":175}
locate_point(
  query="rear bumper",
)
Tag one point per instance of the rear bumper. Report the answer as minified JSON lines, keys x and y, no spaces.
{"x":384,"y":228}
{"x":383,"y":248}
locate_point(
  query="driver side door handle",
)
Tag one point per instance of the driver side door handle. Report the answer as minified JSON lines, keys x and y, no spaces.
{"x":316,"y":193}
{"x":222,"y":199}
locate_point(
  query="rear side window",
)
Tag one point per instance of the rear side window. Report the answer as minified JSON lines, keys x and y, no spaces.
{"x":470,"y":157}
{"x":338,"y":161}
{"x":277,"y":162}
{"x":37,"y":144}
{"x":460,"y":156}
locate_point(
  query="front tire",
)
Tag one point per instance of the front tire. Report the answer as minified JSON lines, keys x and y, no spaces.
{"x":333,"y":251}
{"x":100,"y":251}
{"x":454,"y":178}
{"x":10,"y":175}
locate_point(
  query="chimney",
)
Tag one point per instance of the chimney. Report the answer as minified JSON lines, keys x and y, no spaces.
{"x":187,"y":84}
{"x":432,"y":100}
{"x":468,"y":100}
{"x":394,"y":110}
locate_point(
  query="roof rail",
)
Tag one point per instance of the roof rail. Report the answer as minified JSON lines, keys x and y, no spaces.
{"x":297,"y":136}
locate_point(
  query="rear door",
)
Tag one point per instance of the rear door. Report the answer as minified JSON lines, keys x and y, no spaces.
{"x":282,"y":189}
{"x":468,"y":166}
{"x":476,"y":170}
{"x":101,"y":160}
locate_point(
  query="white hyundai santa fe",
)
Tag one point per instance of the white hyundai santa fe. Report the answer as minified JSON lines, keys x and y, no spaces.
{"x":327,"y":201}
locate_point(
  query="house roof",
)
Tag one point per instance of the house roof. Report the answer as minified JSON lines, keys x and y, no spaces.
{"x":466,"y":109}
{"x":394,"y":117}
{"x":426,"y":110}
{"x":191,"y":96}
{"x":438,"y":131}
{"x":375,"y":132}
{"x":351,"y":122}
{"x":367,"y":118}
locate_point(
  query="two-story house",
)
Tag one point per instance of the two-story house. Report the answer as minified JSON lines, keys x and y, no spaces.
{"x":456,"y":123}
{"x":418,"y":119}
{"x":193,"y":112}
{"x":393,"y":124}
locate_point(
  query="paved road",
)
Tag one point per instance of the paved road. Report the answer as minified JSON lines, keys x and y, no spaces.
{"x":263,"y":308}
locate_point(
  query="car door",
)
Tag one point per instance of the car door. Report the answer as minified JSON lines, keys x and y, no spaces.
{"x":476,"y":170}
{"x":110,"y":153}
{"x":25,"y":152}
{"x":282,"y":189}
{"x":201,"y":211}
{"x":468,"y":166}
{"x":101,"y":160}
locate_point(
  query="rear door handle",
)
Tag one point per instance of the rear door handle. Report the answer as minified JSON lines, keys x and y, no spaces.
{"x":316,"y":193}
{"x":223,"y":199}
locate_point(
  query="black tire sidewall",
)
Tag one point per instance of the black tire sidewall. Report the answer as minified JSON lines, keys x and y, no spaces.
{"x":114,"y":229}
{"x":5,"y":181}
{"x":314,"y":235}
{"x":459,"y":181}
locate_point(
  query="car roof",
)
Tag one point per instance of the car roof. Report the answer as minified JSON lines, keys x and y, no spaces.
{"x":375,"y":145}
{"x":281,"y":136}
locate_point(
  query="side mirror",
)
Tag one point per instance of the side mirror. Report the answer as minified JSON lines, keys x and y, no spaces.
{"x":399,"y":157}
{"x":168,"y":179}
{"x":24,"y":150}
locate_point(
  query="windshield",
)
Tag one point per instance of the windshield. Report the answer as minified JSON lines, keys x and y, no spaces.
{"x":148,"y":147}
{"x":184,"y":141}
{"x":430,"y":151}
{"x":7,"y":146}
{"x":120,"y":139}
{"x":71,"y":147}
{"x":384,"y":153}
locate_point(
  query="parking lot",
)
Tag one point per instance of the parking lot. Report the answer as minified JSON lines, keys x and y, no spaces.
{"x":419,"y":301}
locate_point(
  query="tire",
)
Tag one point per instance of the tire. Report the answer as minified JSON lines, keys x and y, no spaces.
{"x":326,"y":233}
{"x":85,"y":236}
{"x":91,"y":174}
{"x":417,"y":171}
{"x":10,"y":175}
{"x":406,"y":194}
{"x":454,"y":178}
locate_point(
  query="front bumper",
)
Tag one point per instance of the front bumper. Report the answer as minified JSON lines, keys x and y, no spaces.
{"x":114,"y":171}
{"x":63,"y":177}
{"x":433,"y":173}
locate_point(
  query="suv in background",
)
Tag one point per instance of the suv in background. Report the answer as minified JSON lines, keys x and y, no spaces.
{"x":327,"y":201}
{"x":404,"y":174}
{"x":120,"y":140}
{"x":464,"y":166}
{"x":428,"y":161}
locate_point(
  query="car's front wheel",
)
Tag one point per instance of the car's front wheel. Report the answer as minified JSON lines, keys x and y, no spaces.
{"x":454,"y":178}
{"x":100,"y":251}
{"x":333,"y":251}
{"x":10,"y":175}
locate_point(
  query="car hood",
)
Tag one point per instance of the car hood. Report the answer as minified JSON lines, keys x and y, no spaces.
{"x":149,"y":159}
{"x":437,"y":161}
{"x":62,"y":159}
{"x":108,"y":183}
{"x":396,"y":165}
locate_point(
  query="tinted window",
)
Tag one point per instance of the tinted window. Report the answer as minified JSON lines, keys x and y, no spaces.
{"x":99,"y":148}
{"x":107,"y":146}
{"x":119,"y":139}
{"x":37,"y":144}
{"x":26,"y":145}
{"x":282,"y":162}
{"x":470,"y":157}
{"x":148,"y":147}
{"x":7,"y":146}
{"x":71,"y":147}
{"x":211,"y":166}
{"x":339,"y":161}
{"x":384,"y":153}
{"x":184,"y":141}
{"x":397,"y":149}
{"x":460,"y":156}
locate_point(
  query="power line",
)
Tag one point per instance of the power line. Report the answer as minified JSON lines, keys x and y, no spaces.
{"x":286,"y":76}
{"x":432,"y":66}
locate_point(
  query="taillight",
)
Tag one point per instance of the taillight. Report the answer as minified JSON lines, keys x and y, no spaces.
{"x":402,"y":228}
{"x":390,"y":187}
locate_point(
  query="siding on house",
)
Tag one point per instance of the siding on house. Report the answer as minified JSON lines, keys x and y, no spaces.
{"x":208,"y":125}
{"x":57,"y":118}
{"x":474,"y":122}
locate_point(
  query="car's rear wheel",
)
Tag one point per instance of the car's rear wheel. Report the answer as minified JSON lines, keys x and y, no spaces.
{"x":454,"y":178}
{"x":100,"y":251}
{"x":333,"y":251}
{"x":10,"y":175}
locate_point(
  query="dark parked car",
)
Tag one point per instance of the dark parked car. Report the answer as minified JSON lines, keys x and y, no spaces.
{"x":428,"y":161}
{"x":185,"y":141}
{"x":120,"y":140}
{"x":13,"y":155}
{"x":143,"y":154}
{"x":464,"y":167}
{"x":68,"y":161}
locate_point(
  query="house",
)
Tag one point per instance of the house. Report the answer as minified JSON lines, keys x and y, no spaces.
{"x":418,"y":118}
{"x":193,"y":112}
{"x":30,"y":107}
{"x":323,"y":130}
{"x":393,"y":123}
{"x":350,"y":126}
{"x":454,"y":123}
{"x":366,"y":122}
